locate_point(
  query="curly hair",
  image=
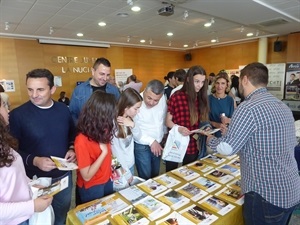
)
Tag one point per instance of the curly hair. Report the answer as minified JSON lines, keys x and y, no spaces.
{"x":128,"y":98}
{"x":220,"y":75}
{"x":6,"y":143}
{"x":97,"y":118}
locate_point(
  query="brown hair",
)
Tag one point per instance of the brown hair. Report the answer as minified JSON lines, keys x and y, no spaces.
{"x":96,"y":120}
{"x":201,"y":96}
{"x":220,"y":75}
{"x":128,"y":98}
{"x":6,"y":143}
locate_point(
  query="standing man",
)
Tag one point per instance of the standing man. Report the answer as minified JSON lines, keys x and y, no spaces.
{"x":151,"y":122}
{"x":262,"y":130}
{"x":98,"y":81}
{"x":45,"y":128}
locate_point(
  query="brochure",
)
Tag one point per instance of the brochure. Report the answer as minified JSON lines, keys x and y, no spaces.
{"x":206,"y":184}
{"x":174,"y":218}
{"x":213,"y":159}
{"x":130,"y":215}
{"x":219,"y":176}
{"x":133,"y":194}
{"x":226,"y":156}
{"x":206,"y":129}
{"x":152,"y":187}
{"x":235,"y":184}
{"x":198,"y":215}
{"x":200,"y":166}
{"x":235,"y":163}
{"x":191,"y":191}
{"x":216,"y":205}
{"x":63,"y":164}
{"x":167,"y":180}
{"x":230,"y":170}
{"x":231,"y":195}
{"x":173,"y":199}
{"x":185,"y":173}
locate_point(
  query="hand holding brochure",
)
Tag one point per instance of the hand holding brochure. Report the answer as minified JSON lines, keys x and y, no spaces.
{"x":63,"y":164}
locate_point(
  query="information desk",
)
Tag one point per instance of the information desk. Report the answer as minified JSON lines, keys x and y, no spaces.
{"x":233,"y":217}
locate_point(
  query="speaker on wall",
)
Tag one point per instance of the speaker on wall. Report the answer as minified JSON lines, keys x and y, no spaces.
{"x":188,"y":57}
{"x":277,"y":46}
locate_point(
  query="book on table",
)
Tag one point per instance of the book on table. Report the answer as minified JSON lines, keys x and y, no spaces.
{"x":234,"y":171}
{"x":133,"y":194}
{"x":206,"y":184}
{"x":198,"y":215}
{"x":185,"y":173}
{"x":130,"y":215}
{"x":152,"y":208}
{"x":219,"y":176}
{"x":173,"y":199}
{"x":167,"y":180}
{"x":152,"y":187}
{"x":200,"y":166}
{"x":216,"y":205}
{"x":231,"y":195}
{"x":192,"y":192}
{"x":63,"y":164}
{"x":235,"y":163}
{"x":213,"y":159}
{"x":229,"y":157}
{"x":174,"y":218}
{"x":235,"y":184}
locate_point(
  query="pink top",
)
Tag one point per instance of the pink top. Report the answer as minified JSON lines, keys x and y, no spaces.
{"x":132,"y":84}
{"x":16,"y":204}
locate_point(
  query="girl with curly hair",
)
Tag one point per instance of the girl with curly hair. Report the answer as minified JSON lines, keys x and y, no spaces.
{"x":92,"y":146}
{"x":16,"y":203}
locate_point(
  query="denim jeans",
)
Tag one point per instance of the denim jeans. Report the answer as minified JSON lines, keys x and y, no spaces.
{"x":62,"y":201}
{"x":147,"y":164}
{"x":95,"y":192}
{"x":26,"y":222}
{"x":258,"y":211}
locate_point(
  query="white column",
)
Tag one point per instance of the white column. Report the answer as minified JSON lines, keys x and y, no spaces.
{"x":262,"y":50}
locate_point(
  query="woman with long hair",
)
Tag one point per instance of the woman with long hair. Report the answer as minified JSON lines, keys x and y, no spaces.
{"x":123,"y":145}
{"x":187,"y":108}
{"x":16,"y":203}
{"x":221,"y":103}
{"x":92,"y":146}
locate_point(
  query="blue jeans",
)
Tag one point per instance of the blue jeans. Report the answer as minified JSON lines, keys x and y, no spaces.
{"x":95,"y":192}
{"x":258,"y":211}
{"x":62,"y":201}
{"x":147,"y":164}
{"x":26,"y":222}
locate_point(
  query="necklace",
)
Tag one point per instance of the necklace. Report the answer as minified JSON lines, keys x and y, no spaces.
{"x":220,"y":97}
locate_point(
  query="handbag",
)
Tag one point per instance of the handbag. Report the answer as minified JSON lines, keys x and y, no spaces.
{"x":176,"y":146}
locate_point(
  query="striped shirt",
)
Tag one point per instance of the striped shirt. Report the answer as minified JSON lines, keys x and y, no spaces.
{"x":262,"y":130}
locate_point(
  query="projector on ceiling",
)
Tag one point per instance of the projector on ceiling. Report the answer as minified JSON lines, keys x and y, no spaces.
{"x":166,"y":11}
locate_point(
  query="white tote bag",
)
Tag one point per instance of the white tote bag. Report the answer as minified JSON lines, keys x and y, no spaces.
{"x":176,"y":146}
{"x":43,"y":218}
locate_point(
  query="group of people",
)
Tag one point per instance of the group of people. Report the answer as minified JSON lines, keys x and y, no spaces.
{"x":102,"y":123}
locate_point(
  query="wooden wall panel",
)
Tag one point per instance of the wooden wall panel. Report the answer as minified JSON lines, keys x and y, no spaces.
{"x":277,"y":57}
{"x":293,"y":47}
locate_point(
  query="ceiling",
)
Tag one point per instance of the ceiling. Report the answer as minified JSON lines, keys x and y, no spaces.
{"x":233,"y":20}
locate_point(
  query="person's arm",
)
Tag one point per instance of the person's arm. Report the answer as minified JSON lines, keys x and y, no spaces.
{"x":170,"y":124}
{"x":88,"y":172}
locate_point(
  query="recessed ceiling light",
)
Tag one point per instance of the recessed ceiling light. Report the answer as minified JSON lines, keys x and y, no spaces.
{"x":249,"y":34}
{"x":80,"y":34}
{"x":170,"y":34}
{"x":142,"y":41}
{"x":123,"y":14}
{"x":102,"y":24}
{"x":185,"y":46}
{"x":207,"y":24}
{"x":213,"y":40}
{"x":135,"y":9}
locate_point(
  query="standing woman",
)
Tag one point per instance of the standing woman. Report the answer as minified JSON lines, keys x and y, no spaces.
{"x":123,"y":145}
{"x":186,"y":108}
{"x":16,"y":203}
{"x":221,"y":103}
{"x":93,"y":148}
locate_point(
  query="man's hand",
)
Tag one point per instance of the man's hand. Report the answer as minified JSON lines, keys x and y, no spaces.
{"x":156,"y":149}
{"x":44,"y":163}
{"x":41,"y":203}
{"x":70,"y":156}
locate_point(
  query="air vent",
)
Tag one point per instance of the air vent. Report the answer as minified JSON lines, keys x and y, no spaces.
{"x":274,"y":22}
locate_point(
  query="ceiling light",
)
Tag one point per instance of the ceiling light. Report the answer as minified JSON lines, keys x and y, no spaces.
{"x":123,"y":14}
{"x":80,"y":34}
{"x":242,"y":29}
{"x":185,"y":46}
{"x":51,"y":30}
{"x":250,"y":34}
{"x":73,"y":42}
{"x":128,"y":38}
{"x":102,"y":24}
{"x":170,"y":34}
{"x":185,"y":14}
{"x":142,"y":41}
{"x":208,"y":24}
{"x":7,"y":26}
{"x":135,"y":9}
{"x":213,"y":40}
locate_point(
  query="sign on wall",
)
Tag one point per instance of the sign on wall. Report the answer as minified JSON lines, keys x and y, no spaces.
{"x":122,"y":74}
{"x":8,"y":85}
{"x":292,"y":81}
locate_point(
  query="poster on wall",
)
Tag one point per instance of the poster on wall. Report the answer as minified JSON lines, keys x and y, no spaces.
{"x":276,"y":79}
{"x":57,"y":81}
{"x":8,"y":85}
{"x":122,"y":74}
{"x":292,"y":81}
